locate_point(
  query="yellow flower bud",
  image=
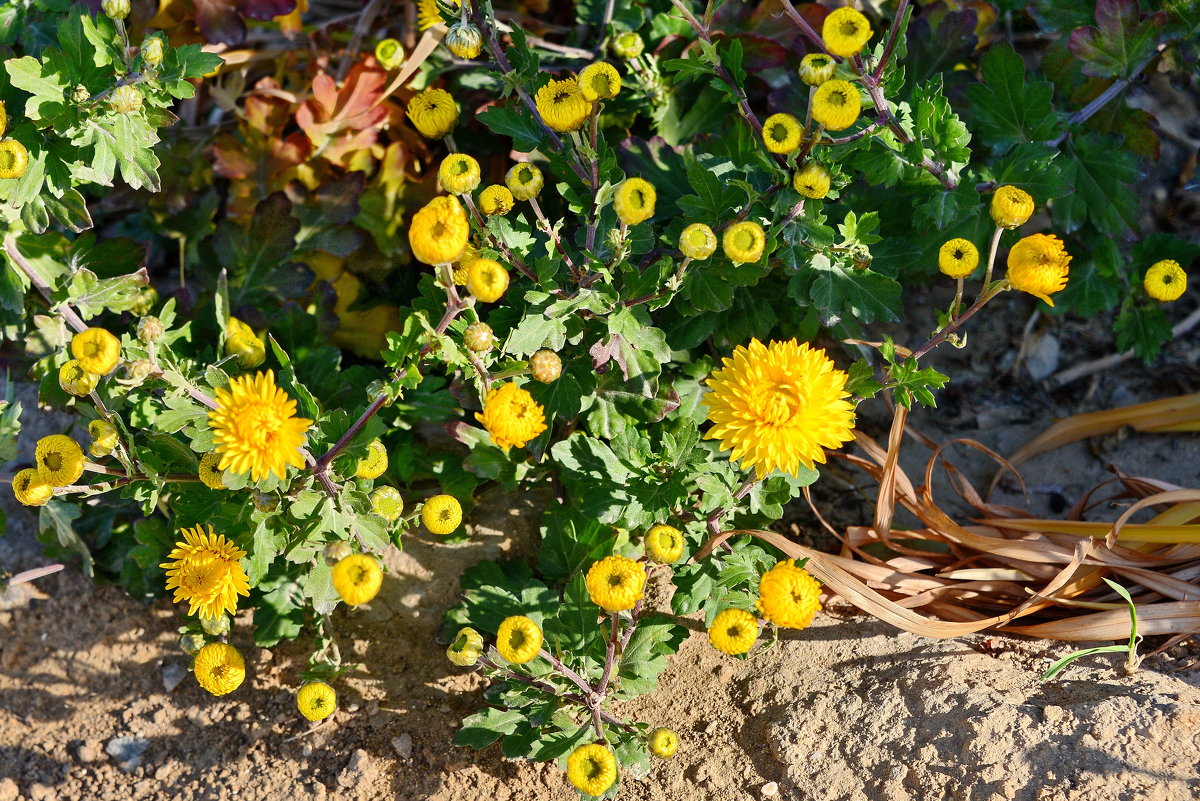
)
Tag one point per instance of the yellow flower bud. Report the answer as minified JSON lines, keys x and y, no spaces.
{"x":464,"y":40}
{"x":697,"y":241}
{"x":524,"y":180}
{"x":487,"y":280}
{"x":496,"y":200}
{"x":14,"y":158}
{"x":390,"y":54}
{"x":545,"y":366}
{"x":1011,"y":207}
{"x":459,"y":174}
{"x":74,"y":380}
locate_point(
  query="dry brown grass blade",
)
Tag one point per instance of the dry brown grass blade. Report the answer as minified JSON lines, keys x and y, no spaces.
{"x":885,"y":506}
{"x":1174,"y":496}
{"x":1161,"y":415}
{"x":1163,"y":618}
{"x":1130,"y":532}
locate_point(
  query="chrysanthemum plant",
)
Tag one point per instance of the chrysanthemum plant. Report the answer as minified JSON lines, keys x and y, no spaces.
{"x":656,"y":304}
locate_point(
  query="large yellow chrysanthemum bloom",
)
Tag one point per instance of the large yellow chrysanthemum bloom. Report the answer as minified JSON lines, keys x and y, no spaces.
{"x":439,"y":231}
{"x":511,"y":416}
{"x":781,"y":133}
{"x":219,"y":668}
{"x":1037,"y":264}
{"x":433,"y":113}
{"x":634,"y":201}
{"x":357,"y":578}
{"x":29,"y":488}
{"x":778,"y":406}
{"x":59,"y":460}
{"x":845,"y":31}
{"x":96,"y":350}
{"x":789,"y":596}
{"x":599,"y":81}
{"x":958,"y":258}
{"x":205,"y":572}
{"x":664,"y":544}
{"x":562,"y":106}
{"x":316,"y":700}
{"x":592,"y":769}
{"x":1165,"y":281}
{"x":733,"y":631}
{"x":1011,"y":207}
{"x":255,"y":427}
{"x":616,"y":583}
{"x":836,"y":105}
{"x":812,"y":181}
{"x":518,"y":639}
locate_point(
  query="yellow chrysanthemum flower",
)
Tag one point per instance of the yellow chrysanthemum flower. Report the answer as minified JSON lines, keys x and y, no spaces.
{"x":816,"y":68}
{"x":255,"y":428}
{"x":511,"y":416}
{"x":428,"y":14}
{"x":59,"y":460}
{"x":592,"y":769}
{"x":1165,"y":281}
{"x":811,"y":181}
{"x":14,"y":159}
{"x":562,"y":106}
{"x":519,"y":639}
{"x":1037,"y":264}
{"x":209,"y":472}
{"x":781,"y":133}
{"x":733,"y":631}
{"x":204,"y":571}
{"x":845,"y":31}
{"x":664,"y":544}
{"x":389,"y":53}
{"x":357,"y":578}
{"x":374,"y":463}
{"x":316,"y":700}
{"x":219,"y":668}
{"x":438,"y":233}
{"x":242,"y":342}
{"x":697,"y":241}
{"x":387,"y":503}
{"x":1011,"y":207}
{"x":616,"y":583}
{"x":744,"y":241}
{"x":104,"y":438}
{"x":459,"y":174}
{"x":466,"y":648}
{"x":433,"y":113}
{"x":74,"y":380}
{"x":496,"y":200}
{"x":634,"y":201}
{"x":487,"y":280}
{"x":29,"y":488}
{"x":524,"y":180}
{"x":599,"y":81}
{"x":778,"y":406}
{"x":789,"y":596}
{"x":545,"y":366}
{"x":96,"y":350}
{"x":836,"y":105}
{"x":958,"y":258}
{"x":442,"y":514}
{"x":663,"y":743}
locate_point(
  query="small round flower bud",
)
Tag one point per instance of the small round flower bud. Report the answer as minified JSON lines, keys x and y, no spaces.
{"x":80,"y":94}
{"x":265,"y":501}
{"x":115,"y":9}
{"x":466,"y":648}
{"x":387,"y":503}
{"x":336,"y":552}
{"x":697,"y":241}
{"x":14,"y":158}
{"x":1011,"y":207}
{"x":664,"y":742}
{"x":191,"y":643}
{"x":377,"y":388}
{"x":74,"y":380}
{"x":464,"y":40}
{"x":104,"y":438}
{"x":495,"y":200}
{"x":152,"y":50}
{"x":139,"y":370}
{"x":389,"y":53}
{"x":524,"y":180}
{"x":125,"y":99}
{"x":215,"y":626}
{"x":146,"y":299}
{"x":479,"y":337}
{"x":241,"y":341}
{"x":816,"y":68}
{"x":628,"y":45}
{"x":545,"y":366}
{"x":149,"y":329}
{"x":811,"y":181}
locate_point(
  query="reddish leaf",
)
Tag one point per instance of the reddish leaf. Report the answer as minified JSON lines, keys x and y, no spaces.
{"x":220,"y":22}
{"x":351,"y":115}
{"x":1119,"y":40}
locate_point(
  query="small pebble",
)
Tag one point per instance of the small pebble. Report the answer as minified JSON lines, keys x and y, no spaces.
{"x":403,"y":745}
{"x":769,"y":790}
{"x":173,"y":676}
{"x":127,"y":751}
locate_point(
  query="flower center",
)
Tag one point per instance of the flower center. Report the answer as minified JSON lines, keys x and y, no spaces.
{"x":779,"y":406}
{"x":259,"y":424}
{"x":616,"y":580}
{"x":601,"y":84}
{"x":517,"y":640}
{"x":439,"y":230}
{"x":837,"y":98}
{"x":525,"y":175}
{"x":459,"y":168}
{"x":958,"y":254}
{"x":849,"y":29}
{"x":219,"y":672}
{"x":638,"y":198}
{"x":779,"y":132}
{"x":53,"y":461}
{"x":744,"y":240}
{"x":595,"y":769}
{"x":1168,"y":279}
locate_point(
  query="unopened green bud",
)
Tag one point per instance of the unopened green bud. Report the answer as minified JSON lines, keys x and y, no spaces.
{"x":147,"y":298}
{"x":191,"y":643}
{"x":389,"y":53}
{"x":628,"y":45}
{"x":149,"y":329}
{"x":336,"y":552}
{"x":139,"y":370}
{"x":545,"y":366}
{"x":464,"y":40}
{"x":479,"y":337}
{"x":80,"y":94}
{"x":115,"y":9}
{"x":125,"y":99}
{"x":152,"y":50}
{"x":215,"y":626}
{"x":387,"y":503}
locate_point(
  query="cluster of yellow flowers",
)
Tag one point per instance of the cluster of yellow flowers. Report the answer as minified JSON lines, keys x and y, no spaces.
{"x":788,"y":597}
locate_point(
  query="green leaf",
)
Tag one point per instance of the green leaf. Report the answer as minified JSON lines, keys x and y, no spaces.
{"x":1102,"y":173}
{"x":91,"y":295}
{"x":1143,"y":329}
{"x":861,"y":380}
{"x":645,"y":658}
{"x":1095,"y":284}
{"x":519,"y":125}
{"x":48,"y":88}
{"x":1009,"y":109}
{"x":835,"y":290}
{"x":487,"y":726}
{"x":570,"y":543}
{"x":56,"y":528}
{"x":278,"y":614}
{"x":714,"y":198}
